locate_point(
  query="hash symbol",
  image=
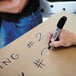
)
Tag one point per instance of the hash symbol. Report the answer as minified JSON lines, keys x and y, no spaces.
{"x":30,"y":44}
{"x":39,"y":63}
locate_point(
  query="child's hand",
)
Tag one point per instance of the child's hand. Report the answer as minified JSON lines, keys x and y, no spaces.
{"x":66,"y":39}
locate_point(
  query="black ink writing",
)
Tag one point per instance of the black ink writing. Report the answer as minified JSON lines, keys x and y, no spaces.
{"x":22,"y":74}
{"x":38,"y":35}
{"x":44,"y":49}
{"x":14,"y":56}
{"x":9,"y":60}
{"x":39,"y":63}
{"x":30,"y":44}
{"x":1,"y":67}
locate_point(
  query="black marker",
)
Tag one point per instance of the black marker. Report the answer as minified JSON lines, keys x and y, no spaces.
{"x":56,"y":33}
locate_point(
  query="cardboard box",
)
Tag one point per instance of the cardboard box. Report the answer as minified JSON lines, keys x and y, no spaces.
{"x":29,"y":56}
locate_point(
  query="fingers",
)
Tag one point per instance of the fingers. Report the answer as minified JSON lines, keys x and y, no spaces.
{"x":66,"y":39}
{"x":56,"y":43}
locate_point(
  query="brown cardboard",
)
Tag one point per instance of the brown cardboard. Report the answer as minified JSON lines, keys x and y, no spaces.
{"x":20,"y":57}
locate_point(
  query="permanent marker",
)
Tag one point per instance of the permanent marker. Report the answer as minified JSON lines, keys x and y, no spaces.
{"x":56,"y":33}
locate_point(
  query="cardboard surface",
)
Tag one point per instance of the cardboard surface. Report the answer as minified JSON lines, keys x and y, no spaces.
{"x":29,"y":56}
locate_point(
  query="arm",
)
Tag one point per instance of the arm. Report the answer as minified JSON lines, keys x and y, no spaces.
{"x":66,"y":39}
{"x":12,"y":6}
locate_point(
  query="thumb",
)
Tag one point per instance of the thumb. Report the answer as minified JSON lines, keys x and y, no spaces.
{"x":56,"y":43}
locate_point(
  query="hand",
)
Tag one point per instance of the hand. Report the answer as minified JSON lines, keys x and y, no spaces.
{"x":66,"y":39}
